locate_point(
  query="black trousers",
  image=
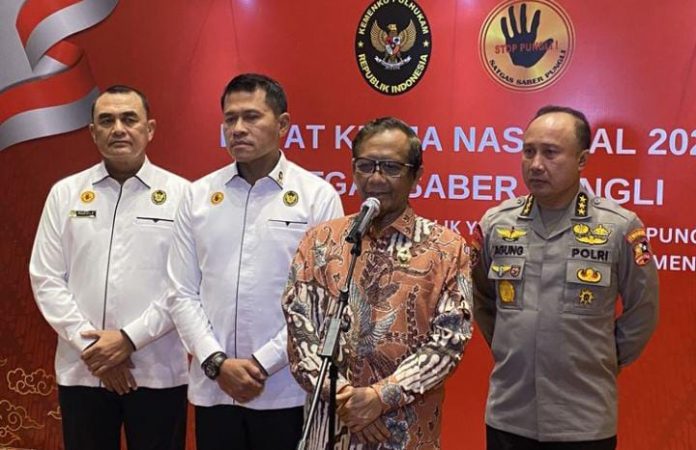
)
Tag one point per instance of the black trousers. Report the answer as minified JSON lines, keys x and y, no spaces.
{"x":502,"y":440}
{"x":227,"y":427}
{"x":154,"y":419}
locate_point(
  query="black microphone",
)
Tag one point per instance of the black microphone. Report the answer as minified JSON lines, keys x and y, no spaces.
{"x":368,"y":210}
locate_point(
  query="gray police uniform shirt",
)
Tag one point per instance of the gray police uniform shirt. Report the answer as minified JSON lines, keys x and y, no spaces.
{"x":547,"y":305}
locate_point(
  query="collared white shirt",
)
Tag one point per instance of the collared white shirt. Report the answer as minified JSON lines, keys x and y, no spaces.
{"x":99,"y":262}
{"x":229,"y":264}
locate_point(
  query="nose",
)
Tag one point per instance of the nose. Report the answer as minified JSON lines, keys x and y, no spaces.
{"x":237,"y":127}
{"x":536,"y":164}
{"x":119,"y":127}
{"x":377,"y":176}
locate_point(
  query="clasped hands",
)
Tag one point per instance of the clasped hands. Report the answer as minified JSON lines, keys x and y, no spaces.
{"x":361,"y":410}
{"x":108,"y":358}
{"x":241,"y":379}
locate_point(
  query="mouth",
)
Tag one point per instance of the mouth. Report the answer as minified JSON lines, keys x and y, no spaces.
{"x":240,"y":144}
{"x":119,"y":143}
{"x":376,"y":194}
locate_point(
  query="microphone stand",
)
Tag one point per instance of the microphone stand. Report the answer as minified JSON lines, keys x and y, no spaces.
{"x":327,"y":352}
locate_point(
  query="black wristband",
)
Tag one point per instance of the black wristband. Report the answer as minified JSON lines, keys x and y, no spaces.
{"x":211,"y":365}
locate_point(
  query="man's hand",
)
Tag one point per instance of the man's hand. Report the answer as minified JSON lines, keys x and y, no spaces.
{"x":110,"y":350}
{"x":362,"y":407}
{"x":119,"y":378}
{"x":241,"y":379}
{"x":525,"y":51}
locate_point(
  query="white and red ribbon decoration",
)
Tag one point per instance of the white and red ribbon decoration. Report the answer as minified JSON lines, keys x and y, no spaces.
{"x":46,"y":85}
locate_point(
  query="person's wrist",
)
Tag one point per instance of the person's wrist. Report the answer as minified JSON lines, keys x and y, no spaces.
{"x":259,"y":365}
{"x":382,"y":405}
{"x":129,"y":341}
{"x":211,"y":365}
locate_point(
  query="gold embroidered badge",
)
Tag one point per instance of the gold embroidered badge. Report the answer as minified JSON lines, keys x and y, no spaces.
{"x":87,"y":196}
{"x":217,"y":198}
{"x":290,"y":198}
{"x":159,"y":197}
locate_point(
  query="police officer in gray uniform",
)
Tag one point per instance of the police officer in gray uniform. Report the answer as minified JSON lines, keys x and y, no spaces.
{"x":550,"y":268}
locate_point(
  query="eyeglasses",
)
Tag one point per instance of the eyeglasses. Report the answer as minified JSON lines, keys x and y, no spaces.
{"x":367,"y":166}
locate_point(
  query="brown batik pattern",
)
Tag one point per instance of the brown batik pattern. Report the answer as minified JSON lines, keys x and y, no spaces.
{"x":409,"y":316}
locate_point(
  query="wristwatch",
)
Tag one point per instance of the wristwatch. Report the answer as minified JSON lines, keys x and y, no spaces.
{"x":211,"y":366}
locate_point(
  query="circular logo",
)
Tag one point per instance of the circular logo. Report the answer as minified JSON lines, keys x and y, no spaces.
{"x":87,"y":196}
{"x":217,"y":197}
{"x":392,"y":45}
{"x":290,"y":198}
{"x":159,"y":197}
{"x":527,"y":45}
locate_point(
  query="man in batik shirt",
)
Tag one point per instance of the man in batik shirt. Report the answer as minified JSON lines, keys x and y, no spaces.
{"x":409,"y":310}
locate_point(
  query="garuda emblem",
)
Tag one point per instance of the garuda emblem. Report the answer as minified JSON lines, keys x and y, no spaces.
{"x":393,"y":44}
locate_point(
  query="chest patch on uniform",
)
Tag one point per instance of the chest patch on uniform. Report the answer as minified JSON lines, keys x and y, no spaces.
{"x":87,"y":196}
{"x":586,"y":297}
{"x":510,"y":234}
{"x":159,"y":197}
{"x":591,"y":234}
{"x":217,"y":198}
{"x":290,"y":198}
{"x":508,"y":250}
{"x":506,"y":291}
{"x":502,"y":269}
{"x":89,"y":214}
{"x":592,"y":254}
{"x":589,"y":275}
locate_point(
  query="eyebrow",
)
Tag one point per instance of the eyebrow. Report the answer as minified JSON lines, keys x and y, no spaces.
{"x":123,"y":114}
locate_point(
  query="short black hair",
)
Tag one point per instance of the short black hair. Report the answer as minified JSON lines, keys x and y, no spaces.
{"x":123,"y":89}
{"x":376,"y":126}
{"x":583,"y":132}
{"x":250,"y":82}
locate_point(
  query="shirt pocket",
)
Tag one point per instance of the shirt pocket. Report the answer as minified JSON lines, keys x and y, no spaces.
{"x":151,"y":238}
{"x":281,"y":229}
{"x":154,"y":221}
{"x":588,"y":288}
{"x":507,"y":273}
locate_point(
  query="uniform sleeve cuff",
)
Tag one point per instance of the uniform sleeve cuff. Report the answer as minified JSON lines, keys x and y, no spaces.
{"x":206,"y":347}
{"x":81,"y":343}
{"x":137,"y":334}
{"x":270,"y":359}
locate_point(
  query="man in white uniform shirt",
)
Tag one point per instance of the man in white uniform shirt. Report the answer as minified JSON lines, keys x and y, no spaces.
{"x":97,"y":267}
{"x":235,"y":234}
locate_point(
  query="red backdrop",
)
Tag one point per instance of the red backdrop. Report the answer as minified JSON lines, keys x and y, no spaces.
{"x":631,"y":71}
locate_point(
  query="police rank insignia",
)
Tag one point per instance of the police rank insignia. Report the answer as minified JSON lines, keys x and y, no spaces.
{"x":506,"y":291}
{"x":87,"y":196}
{"x":511,"y":234}
{"x":586,"y":297}
{"x":159,"y":197}
{"x":596,"y":235}
{"x":290,"y":198}
{"x":392,"y":45}
{"x":217,"y":198}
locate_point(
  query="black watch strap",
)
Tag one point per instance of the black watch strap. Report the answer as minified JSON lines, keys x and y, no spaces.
{"x":211,"y":365}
